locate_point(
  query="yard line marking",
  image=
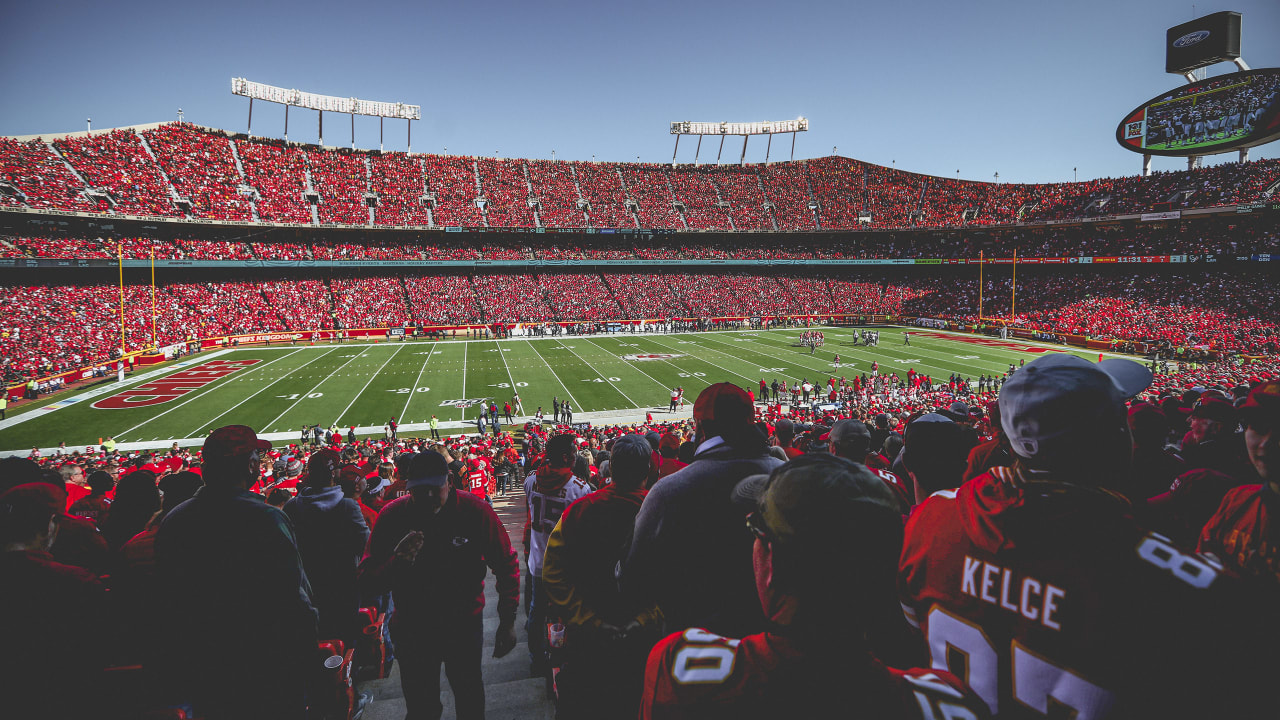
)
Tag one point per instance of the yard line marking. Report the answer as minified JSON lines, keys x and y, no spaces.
{"x":556,"y":375}
{"x":597,"y":372}
{"x":301,"y":396}
{"x":197,"y":397}
{"x":744,"y":377}
{"x":464,"y":379}
{"x":863,"y":354}
{"x":366,"y":385}
{"x":269,"y":385}
{"x":414,"y":389}
{"x":633,"y":367}
{"x":502,"y":354}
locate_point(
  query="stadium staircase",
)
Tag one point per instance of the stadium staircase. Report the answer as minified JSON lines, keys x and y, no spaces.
{"x":484,"y":209}
{"x":577,"y":188}
{"x":245,"y":188}
{"x":88,"y":191}
{"x":179,"y":202}
{"x":684,"y":223}
{"x":422,"y":168}
{"x":368,"y":187}
{"x":721,"y":202}
{"x":773,"y":208}
{"x":315,"y":209}
{"x":528,"y":186}
{"x":808,"y":188}
{"x":510,"y":693}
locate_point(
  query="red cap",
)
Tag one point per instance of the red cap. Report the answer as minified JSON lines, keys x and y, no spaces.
{"x":233,"y":441}
{"x":1263,"y":401}
{"x":724,"y":402}
{"x":33,"y":498}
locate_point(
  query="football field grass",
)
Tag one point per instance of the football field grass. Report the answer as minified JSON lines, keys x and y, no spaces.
{"x":278,"y":389}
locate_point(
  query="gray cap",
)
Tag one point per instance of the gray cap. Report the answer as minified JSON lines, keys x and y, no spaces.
{"x":1057,"y":401}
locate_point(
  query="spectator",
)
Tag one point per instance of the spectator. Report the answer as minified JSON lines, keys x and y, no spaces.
{"x":1154,"y":467}
{"x":934,"y":453}
{"x":549,"y":489}
{"x":689,"y":554}
{"x":96,"y":505}
{"x":1005,"y":568}
{"x":1242,"y":534}
{"x":1212,"y":442}
{"x":608,"y":634}
{"x":137,"y":499}
{"x":808,"y":572}
{"x":332,"y":534}
{"x":429,"y":549}
{"x":239,"y":607}
{"x":52,"y":616}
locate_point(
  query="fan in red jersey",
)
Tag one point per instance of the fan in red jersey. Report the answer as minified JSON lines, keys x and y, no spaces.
{"x":826,"y":532}
{"x":1244,"y":532}
{"x":1036,"y":584}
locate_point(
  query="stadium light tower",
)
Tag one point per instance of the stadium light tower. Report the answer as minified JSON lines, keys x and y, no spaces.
{"x":311,"y":101}
{"x":179,"y":115}
{"x":89,"y":124}
{"x":746,"y":130}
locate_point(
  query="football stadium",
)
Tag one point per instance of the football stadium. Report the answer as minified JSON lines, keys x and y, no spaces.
{"x":335,"y":428}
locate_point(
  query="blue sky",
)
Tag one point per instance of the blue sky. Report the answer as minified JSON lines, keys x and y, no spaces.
{"x":1029,"y":89}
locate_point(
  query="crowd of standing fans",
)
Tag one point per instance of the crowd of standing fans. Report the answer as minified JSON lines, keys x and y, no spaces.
{"x":1092,"y":532}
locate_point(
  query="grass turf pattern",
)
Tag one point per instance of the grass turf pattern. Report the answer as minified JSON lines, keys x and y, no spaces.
{"x":366,"y":385}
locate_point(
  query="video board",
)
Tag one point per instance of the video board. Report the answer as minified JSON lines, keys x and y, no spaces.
{"x":1212,"y":116}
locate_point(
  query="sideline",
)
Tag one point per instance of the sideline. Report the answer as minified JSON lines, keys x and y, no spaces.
{"x":109,"y":388}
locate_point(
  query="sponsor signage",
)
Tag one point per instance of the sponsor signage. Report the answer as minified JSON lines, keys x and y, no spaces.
{"x":1171,"y":215}
{"x":463,"y":403}
{"x":395,"y":332}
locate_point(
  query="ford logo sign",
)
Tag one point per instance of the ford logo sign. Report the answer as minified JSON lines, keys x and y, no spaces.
{"x":1191,"y":39}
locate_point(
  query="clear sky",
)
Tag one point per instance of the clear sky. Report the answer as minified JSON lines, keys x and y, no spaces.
{"x":1028,"y":89}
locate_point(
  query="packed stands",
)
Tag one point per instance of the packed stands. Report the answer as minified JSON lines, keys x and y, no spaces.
{"x":302,"y":304}
{"x":580,"y":297}
{"x":601,"y":186}
{"x":202,"y":170}
{"x":117,"y":162}
{"x":555,"y":187}
{"x":200,"y":164}
{"x":453,"y":180}
{"x":741,"y":187}
{"x":646,"y":296}
{"x":503,"y":185}
{"x":370,"y":302}
{"x":397,"y":180}
{"x":696,"y":188}
{"x":43,"y":178}
{"x":341,"y":179}
{"x":511,"y":298}
{"x":442,"y":300}
{"x":279,"y":174}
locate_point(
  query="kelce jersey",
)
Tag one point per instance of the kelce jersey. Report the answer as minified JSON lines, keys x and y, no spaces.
{"x":701,"y":676}
{"x":1046,"y":594}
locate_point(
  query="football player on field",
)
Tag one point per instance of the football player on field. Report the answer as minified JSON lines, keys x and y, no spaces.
{"x":1035,"y":583}
{"x":826,"y":534}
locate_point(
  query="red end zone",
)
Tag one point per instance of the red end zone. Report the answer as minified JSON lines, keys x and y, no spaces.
{"x":986,"y":342}
{"x":173,"y":386}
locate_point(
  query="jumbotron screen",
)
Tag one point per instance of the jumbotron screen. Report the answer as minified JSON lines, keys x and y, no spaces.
{"x":1203,"y":118}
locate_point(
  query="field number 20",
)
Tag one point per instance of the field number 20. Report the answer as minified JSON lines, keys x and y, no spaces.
{"x":696,"y":374}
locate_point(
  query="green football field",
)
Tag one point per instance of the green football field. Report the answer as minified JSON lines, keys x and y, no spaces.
{"x":609,"y":378}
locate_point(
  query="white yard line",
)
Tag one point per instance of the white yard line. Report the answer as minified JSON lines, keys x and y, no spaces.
{"x":633,"y":367}
{"x":215,"y":386}
{"x":464,"y":379}
{"x":266,"y":387}
{"x":305,"y":394}
{"x":404,"y":413}
{"x":366,"y":385}
{"x":744,"y":377}
{"x":597,"y":372}
{"x":556,"y":376}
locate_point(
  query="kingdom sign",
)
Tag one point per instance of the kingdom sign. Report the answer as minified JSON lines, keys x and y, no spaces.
{"x":173,"y":386}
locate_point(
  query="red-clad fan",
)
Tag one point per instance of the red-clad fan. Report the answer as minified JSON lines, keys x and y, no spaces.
{"x":1243,"y":533}
{"x":1036,"y":584}
{"x":826,"y":532}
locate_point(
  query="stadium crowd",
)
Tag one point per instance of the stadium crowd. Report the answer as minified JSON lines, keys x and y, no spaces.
{"x":802,"y":550}
{"x":229,"y":178}
{"x":57,"y":328}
